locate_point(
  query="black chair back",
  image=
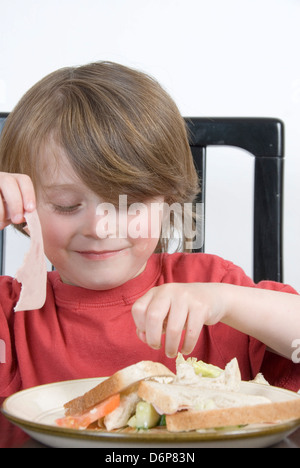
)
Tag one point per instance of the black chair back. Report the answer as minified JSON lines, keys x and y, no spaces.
{"x":264,"y":139}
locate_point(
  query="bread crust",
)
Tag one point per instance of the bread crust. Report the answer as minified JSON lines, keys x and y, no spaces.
{"x":189,"y":420}
{"x":117,"y":383}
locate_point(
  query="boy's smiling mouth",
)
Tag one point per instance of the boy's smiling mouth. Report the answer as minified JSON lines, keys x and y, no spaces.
{"x":99,"y":254}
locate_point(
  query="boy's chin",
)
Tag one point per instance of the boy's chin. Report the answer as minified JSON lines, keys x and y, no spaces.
{"x":102,"y":281}
{"x":94,"y":285}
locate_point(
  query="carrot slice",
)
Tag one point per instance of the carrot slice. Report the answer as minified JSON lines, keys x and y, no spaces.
{"x":97,"y":412}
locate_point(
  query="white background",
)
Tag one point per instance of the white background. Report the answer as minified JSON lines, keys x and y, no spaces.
{"x":215,"y":57}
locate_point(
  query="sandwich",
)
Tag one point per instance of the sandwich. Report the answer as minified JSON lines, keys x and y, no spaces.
{"x":199,"y":396}
{"x":113,"y":401}
{"x":193,"y":402}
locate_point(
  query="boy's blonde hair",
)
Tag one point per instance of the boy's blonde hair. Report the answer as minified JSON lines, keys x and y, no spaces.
{"x":122,"y":133}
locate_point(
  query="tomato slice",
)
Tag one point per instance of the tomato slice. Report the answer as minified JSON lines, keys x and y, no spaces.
{"x":97,"y":412}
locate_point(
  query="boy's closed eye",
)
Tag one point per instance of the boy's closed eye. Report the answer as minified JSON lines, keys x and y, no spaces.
{"x":65,"y":209}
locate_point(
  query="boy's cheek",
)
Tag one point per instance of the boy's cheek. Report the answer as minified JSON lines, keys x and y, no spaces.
{"x":145,"y":247}
{"x":144,"y":223}
{"x":55,"y":235}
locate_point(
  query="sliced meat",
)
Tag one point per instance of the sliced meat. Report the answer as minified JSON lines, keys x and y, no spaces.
{"x":33,"y":272}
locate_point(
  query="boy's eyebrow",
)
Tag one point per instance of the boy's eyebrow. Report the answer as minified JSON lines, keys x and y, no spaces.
{"x":60,"y":186}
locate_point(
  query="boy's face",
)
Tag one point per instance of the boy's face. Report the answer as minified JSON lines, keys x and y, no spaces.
{"x":92,"y":244}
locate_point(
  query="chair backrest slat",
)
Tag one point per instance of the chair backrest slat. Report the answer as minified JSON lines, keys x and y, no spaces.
{"x":264,"y":139}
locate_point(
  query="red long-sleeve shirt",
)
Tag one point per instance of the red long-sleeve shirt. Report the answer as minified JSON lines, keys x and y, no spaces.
{"x":81,"y":333}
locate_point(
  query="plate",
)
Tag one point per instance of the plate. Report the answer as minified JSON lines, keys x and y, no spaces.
{"x":35,"y":410}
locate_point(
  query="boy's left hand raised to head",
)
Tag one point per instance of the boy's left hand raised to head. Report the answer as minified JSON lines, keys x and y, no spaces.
{"x":174,"y":307}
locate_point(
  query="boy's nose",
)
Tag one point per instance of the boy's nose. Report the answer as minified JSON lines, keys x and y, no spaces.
{"x":100,"y":223}
{"x":107,"y":221}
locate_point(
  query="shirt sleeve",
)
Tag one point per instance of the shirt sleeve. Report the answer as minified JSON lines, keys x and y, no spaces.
{"x":9,"y":375}
{"x":277,"y":370}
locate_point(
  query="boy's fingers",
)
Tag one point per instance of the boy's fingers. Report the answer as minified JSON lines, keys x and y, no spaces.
{"x":12,"y":200}
{"x":139,"y":310}
{"x":193,"y":329}
{"x":17,"y":197}
{"x":141,"y":335}
{"x":157,"y":312}
{"x":3,"y":221}
{"x":27,"y":191}
{"x":176,"y":321}
{"x":149,"y":313}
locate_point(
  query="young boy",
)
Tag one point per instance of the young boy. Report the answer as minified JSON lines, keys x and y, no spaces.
{"x":76,"y":142}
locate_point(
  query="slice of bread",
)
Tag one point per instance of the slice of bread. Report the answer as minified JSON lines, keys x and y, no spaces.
{"x":266,"y":413}
{"x":117,"y":383}
{"x":190,"y":407}
{"x":170,"y":398}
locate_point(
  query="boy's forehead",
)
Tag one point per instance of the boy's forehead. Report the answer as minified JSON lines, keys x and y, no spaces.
{"x":61,"y":188}
{"x":55,"y":168}
{"x":61,"y":182}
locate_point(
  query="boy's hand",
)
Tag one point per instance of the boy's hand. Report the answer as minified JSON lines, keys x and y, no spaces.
{"x":17,"y":196}
{"x":174,"y":307}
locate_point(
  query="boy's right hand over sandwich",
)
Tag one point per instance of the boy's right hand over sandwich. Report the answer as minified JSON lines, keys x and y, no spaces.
{"x":172,"y":308}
